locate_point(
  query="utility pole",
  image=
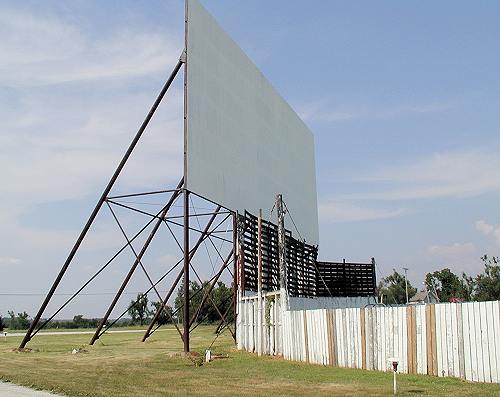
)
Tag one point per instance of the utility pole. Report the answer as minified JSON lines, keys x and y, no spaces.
{"x":282,"y":251}
{"x":406,"y":283}
{"x":281,"y":240}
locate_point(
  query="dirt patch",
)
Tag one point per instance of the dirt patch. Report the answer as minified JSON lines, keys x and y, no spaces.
{"x":22,"y":350}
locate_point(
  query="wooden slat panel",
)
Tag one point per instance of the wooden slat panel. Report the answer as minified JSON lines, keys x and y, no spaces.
{"x":491,"y":340}
{"x":485,"y":343}
{"x":440,"y":339}
{"x":411,"y":335}
{"x":333,"y":314}
{"x":496,"y":331}
{"x":478,"y":315}
{"x":449,"y":339}
{"x":421,"y":340}
{"x":428,"y":346}
{"x":473,"y":341}
{"x":460,"y":331}
{"x":466,"y":338}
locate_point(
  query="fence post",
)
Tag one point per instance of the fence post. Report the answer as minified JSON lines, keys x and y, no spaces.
{"x":363,"y":337}
{"x":411,"y":332}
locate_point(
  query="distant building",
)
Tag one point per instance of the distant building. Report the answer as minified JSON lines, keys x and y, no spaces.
{"x":424,"y":297}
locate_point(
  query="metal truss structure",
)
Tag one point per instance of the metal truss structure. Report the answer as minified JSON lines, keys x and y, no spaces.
{"x":216,"y":224}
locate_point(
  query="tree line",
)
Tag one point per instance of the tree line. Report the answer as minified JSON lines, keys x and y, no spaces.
{"x":141,"y":310}
{"x":218,"y":302}
{"x":446,"y":285}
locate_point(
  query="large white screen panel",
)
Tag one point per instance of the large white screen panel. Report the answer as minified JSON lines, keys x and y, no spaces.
{"x":244,"y":143}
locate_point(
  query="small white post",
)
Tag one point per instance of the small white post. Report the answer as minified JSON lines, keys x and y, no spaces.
{"x":394,"y":361}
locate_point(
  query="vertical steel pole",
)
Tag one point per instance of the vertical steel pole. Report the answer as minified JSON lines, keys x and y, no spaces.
{"x":185,"y":318}
{"x":259,"y":284}
{"x":236,"y":294}
{"x":186,"y":192}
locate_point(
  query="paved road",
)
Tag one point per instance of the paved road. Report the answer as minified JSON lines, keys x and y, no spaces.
{"x":123,"y":331}
{"x":11,"y":390}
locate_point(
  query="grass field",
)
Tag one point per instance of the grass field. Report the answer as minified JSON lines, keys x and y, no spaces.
{"x":120,"y":365}
{"x":45,"y":330}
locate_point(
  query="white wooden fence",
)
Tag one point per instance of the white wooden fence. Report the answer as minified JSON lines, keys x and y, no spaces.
{"x":448,"y":339}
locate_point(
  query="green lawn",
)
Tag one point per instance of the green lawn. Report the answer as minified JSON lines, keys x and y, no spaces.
{"x":23,"y":331}
{"x":120,"y":365}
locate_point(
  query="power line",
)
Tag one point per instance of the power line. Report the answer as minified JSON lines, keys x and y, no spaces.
{"x":291,"y":218}
{"x":68,"y":294}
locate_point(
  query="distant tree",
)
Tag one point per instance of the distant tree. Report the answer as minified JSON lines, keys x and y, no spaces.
{"x":469,"y":285}
{"x":448,"y":285}
{"x":23,"y":320}
{"x":139,"y":309}
{"x":393,"y":288}
{"x":220,"y":296}
{"x":2,"y":325}
{"x":487,"y":284}
{"x":163,"y":318}
{"x":79,"y":321}
{"x":12,"y":320}
{"x":195,"y":294}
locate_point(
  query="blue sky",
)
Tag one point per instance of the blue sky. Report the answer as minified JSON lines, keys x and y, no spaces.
{"x":402,"y":98}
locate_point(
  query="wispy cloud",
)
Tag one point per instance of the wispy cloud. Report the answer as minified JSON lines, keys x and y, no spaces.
{"x":47,"y":50}
{"x":460,"y":257}
{"x":328,"y":111}
{"x":497,"y":237}
{"x":334,"y":211}
{"x":42,"y":161}
{"x":489,"y":230}
{"x":448,"y":174}
{"x":9,"y":261}
{"x":441,"y":175}
{"x":484,"y":227}
{"x":452,"y":251}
